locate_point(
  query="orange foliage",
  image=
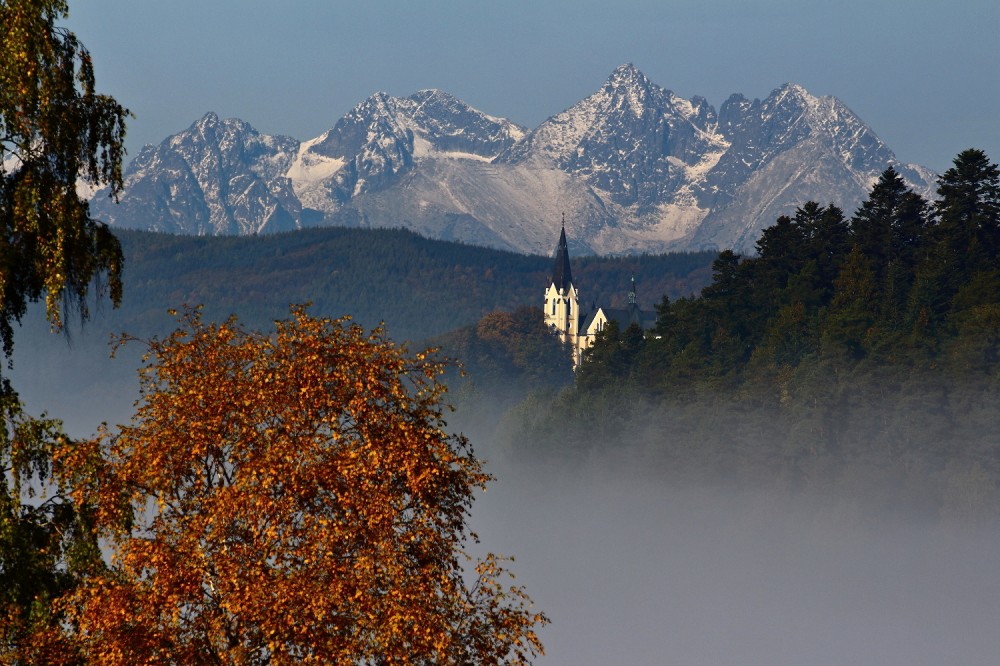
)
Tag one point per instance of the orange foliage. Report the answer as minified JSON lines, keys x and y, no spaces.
{"x":499,"y":326}
{"x":289,"y":498}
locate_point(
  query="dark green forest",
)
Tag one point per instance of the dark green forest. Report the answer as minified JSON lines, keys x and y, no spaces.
{"x":418,"y":287}
{"x":854,"y":354}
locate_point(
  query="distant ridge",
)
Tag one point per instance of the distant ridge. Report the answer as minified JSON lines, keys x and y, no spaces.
{"x":418,"y":287}
{"x":635,"y":167}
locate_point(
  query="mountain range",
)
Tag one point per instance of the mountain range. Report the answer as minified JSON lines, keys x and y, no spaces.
{"x":633,"y":167}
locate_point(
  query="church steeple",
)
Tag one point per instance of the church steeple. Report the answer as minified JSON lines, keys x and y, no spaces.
{"x":562,"y":276}
{"x":561,"y":307}
{"x":562,"y":302}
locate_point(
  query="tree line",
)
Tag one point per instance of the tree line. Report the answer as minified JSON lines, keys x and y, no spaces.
{"x":418,"y":286}
{"x":902,"y":281}
{"x":845,"y":348}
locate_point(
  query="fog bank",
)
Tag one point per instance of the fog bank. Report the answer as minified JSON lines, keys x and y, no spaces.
{"x":633,"y":571}
{"x":634,"y":566}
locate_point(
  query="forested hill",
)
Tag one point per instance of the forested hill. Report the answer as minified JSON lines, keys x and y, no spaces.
{"x":418,"y":287}
{"x":856,"y":355}
{"x":903,"y":283}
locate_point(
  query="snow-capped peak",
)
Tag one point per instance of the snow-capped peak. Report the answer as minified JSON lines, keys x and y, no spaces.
{"x":639,"y":167}
{"x":627,"y":76}
{"x":630,"y":131}
{"x":208,"y":120}
{"x":628,"y":88}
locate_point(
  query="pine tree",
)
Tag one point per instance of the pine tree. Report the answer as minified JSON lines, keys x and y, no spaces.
{"x":890,"y":230}
{"x":968,"y":213}
{"x":848,"y":320}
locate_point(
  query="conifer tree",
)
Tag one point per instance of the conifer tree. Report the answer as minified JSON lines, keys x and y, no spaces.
{"x":969,"y":204}
{"x":890,"y":229}
{"x":889,"y":224}
{"x":965,"y":241}
{"x":846,"y":324}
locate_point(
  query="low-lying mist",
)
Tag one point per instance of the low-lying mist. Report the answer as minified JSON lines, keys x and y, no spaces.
{"x":635,"y":570}
{"x":639,"y":559}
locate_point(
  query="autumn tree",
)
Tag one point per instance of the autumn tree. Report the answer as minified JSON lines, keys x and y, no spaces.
{"x":56,"y":132}
{"x":289,"y":498}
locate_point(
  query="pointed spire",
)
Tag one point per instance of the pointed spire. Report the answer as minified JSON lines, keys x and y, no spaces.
{"x":562,"y":277}
{"x":631,"y":293}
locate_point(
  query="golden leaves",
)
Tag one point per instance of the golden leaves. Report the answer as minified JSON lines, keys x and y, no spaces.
{"x":294,"y":500}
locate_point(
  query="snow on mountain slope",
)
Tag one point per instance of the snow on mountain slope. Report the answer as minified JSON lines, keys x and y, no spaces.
{"x":309,"y":171}
{"x":216,"y":177}
{"x":790,"y":148}
{"x":384,"y":137}
{"x":633,"y":166}
{"x":634,"y":141}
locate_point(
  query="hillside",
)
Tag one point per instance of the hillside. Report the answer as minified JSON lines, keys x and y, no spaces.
{"x":418,"y":287}
{"x":858,"y":357}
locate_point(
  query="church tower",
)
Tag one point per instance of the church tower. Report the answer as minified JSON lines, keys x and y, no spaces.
{"x":580,"y":329}
{"x":562,"y":303}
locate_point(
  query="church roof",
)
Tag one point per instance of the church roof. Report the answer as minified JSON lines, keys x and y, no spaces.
{"x":631,"y":315}
{"x":624,"y":317}
{"x":587,"y":320}
{"x":562,"y":276}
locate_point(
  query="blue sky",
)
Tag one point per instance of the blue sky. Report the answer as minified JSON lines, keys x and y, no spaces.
{"x":925,"y":75}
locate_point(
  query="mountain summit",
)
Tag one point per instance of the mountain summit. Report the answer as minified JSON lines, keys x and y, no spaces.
{"x":635,"y":167}
{"x":631,"y":139}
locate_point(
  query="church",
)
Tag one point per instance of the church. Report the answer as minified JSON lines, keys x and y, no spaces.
{"x":565,"y":318}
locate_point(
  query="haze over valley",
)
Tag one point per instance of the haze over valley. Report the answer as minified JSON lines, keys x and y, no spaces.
{"x":646,"y":532}
{"x":719,"y":371}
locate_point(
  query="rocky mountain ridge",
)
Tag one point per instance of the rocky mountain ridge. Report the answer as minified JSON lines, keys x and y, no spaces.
{"x":634,"y":167}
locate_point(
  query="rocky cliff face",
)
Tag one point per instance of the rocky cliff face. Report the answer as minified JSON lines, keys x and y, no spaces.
{"x":633,"y":166}
{"x":787,"y":149}
{"x":384,"y":138}
{"x":217,"y":177}
{"x":636,"y":143}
